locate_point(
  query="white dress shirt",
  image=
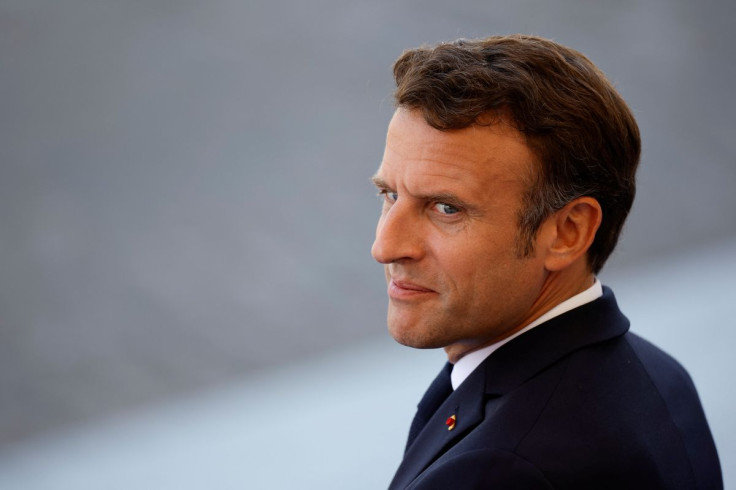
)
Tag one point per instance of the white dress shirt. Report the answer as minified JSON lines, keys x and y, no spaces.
{"x":467,"y":364}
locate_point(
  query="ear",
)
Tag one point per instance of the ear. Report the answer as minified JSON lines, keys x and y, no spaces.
{"x":572,"y":230}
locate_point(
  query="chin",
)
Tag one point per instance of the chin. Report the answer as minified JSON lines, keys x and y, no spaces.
{"x":411,"y":337}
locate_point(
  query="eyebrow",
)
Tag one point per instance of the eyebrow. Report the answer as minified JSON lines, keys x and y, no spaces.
{"x":380,"y":183}
{"x":443,"y":197}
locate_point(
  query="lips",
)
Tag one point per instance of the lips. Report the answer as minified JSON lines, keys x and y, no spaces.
{"x":399,"y":289}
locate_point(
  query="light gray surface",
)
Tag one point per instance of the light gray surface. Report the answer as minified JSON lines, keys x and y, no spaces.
{"x":344,"y":418}
{"x":184,"y":185}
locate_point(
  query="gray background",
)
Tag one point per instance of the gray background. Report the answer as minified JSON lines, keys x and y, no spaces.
{"x":184,"y":194}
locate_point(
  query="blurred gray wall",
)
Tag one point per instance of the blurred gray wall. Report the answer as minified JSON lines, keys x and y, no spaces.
{"x":184,"y":194}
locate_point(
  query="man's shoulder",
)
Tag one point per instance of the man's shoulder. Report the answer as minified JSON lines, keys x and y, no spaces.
{"x":662,"y":368}
{"x":629,"y":371}
{"x":622,"y":403}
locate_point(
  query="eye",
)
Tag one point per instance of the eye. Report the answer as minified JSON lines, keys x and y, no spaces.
{"x":389,"y":196}
{"x":446,"y":209}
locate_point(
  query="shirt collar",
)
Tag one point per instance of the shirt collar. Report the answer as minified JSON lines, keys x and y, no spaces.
{"x":467,"y":364}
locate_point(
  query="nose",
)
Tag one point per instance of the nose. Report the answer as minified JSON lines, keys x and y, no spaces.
{"x":398,"y":236}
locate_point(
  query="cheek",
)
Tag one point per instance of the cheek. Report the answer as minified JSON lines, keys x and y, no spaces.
{"x":483,"y":267}
{"x":475,"y":258}
{"x":469,"y":267}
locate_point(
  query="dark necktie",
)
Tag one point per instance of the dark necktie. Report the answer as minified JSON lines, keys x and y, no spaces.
{"x":437,"y":392}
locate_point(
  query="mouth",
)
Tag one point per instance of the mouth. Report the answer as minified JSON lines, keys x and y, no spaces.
{"x":398,"y":289}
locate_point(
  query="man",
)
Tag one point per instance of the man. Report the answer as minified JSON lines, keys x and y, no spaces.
{"x":508,"y":173}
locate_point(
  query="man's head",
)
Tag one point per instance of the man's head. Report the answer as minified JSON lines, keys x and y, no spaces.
{"x":583,"y":134}
{"x":507,"y":175}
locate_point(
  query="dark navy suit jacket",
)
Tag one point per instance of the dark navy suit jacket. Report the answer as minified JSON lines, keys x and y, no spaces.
{"x":576,"y":403}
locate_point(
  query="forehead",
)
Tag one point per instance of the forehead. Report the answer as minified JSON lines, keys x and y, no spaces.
{"x":471,"y":158}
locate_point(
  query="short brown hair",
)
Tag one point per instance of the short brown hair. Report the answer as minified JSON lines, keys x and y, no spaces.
{"x":582,"y":131}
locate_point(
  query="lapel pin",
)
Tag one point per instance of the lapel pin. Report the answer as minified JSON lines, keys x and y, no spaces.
{"x":450,"y":422}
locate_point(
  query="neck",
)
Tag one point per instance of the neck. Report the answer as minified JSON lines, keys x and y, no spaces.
{"x":557,"y":287}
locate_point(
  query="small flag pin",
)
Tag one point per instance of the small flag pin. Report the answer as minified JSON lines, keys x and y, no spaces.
{"x":450,"y":422}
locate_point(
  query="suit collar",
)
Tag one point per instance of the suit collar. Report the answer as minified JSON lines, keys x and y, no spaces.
{"x":470,"y":361}
{"x":514,"y":363}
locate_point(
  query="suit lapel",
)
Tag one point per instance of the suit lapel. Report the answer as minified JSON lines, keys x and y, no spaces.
{"x":466,"y":403}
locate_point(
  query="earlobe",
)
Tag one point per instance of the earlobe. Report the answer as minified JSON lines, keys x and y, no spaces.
{"x":574,"y":228}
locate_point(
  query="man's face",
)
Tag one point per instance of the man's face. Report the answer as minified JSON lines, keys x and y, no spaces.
{"x":448,"y":234}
